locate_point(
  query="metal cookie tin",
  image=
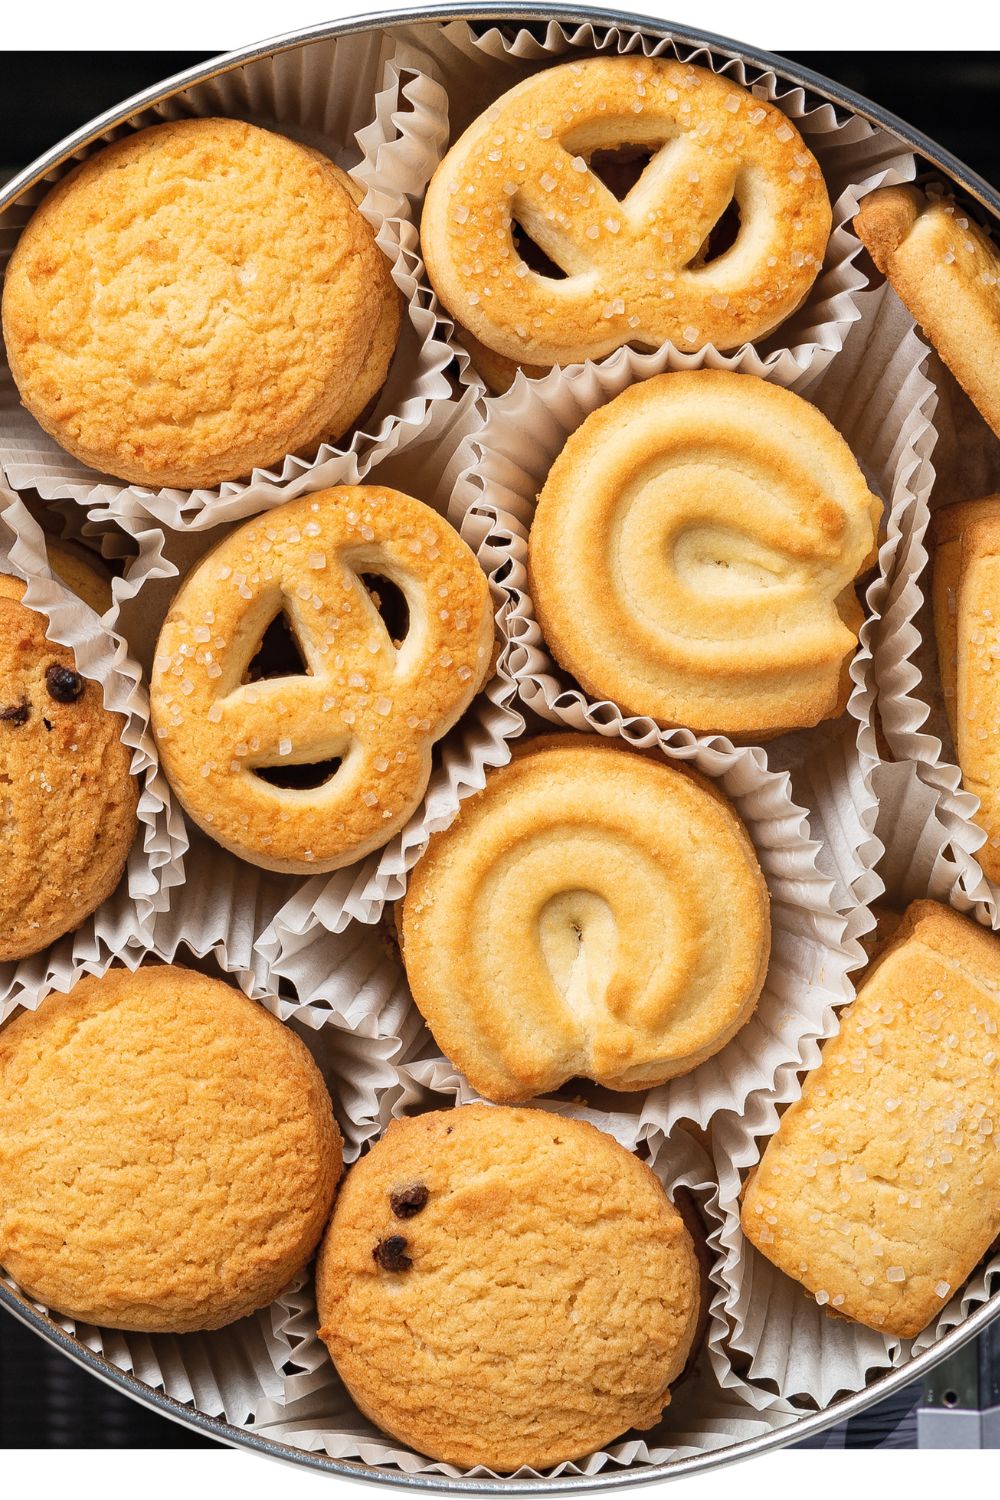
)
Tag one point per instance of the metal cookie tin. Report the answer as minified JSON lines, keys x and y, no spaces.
{"x":945,"y":165}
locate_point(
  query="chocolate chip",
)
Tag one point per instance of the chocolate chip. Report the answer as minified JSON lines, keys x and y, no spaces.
{"x":64,"y":685}
{"x":391,"y":1254}
{"x":47,"y":725}
{"x":405,"y":1202}
{"x":17,"y":714}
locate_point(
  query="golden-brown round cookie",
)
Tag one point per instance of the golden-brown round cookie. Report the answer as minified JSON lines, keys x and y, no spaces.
{"x":82,"y":572}
{"x":234,"y":308}
{"x":640,"y":269}
{"x":313,"y":768}
{"x":69,"y":796}
{"x":593,"y":912}
{"x":506,"y":1287}
{"x":694,"y":553}
{"x":168,"y":1152}
{"x":947,"y":272}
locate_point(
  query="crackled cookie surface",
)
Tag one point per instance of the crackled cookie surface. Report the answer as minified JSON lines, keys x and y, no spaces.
{"x":881,"y":1189}
{"x":315,"y":766}
{"x":67,"y":796}
{"x":641,"y":269}
{"x":947,"y":272}
{"x":591,"y":913}
{"x":196,"y":300}
{"x":201,"y":1163}
{"x":694,"y":553}
{"x":506,"y":1287}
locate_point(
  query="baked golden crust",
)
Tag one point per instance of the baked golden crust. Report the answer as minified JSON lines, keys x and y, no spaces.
{"x":82,"y":572}
{"x":944,"y":543}
{"x":551,"y":1299}
{"x":976,"y":702}
{"x":69,"y":798}
{"x":694,"y":552}
{"x":591,"y":913}
{"x":198,"y":299}
{"x":947,"y":272}
{"x":201,"y":1163}
{"x":635,"y":268}
{"x":361,"y":701}
{"x":881,"y":1189}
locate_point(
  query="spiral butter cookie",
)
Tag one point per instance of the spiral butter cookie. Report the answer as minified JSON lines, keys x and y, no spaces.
{"x":68,"y":796}
{"x":506,"y":1287}
{"x":196,"y":300}
{"x":593,"y":912}
{"x":201,"y":1160}
{"x":312,"y":762}
{"x":947,"y":272}
{"x":643,"y":269}
{"x":964,"y":540}
{"x":694,"y":553}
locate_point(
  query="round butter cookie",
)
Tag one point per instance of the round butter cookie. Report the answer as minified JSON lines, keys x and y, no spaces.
{"x":313,"y":761}
{"x":650,"y":266}
{"x":69,"y":797}
{"x":694,"y":552}
{"x":81,"y":571}
{"x":946,"y":270}
{"x":594,"y":913}
{"x":506,"y":1287}
{"x":197,"y":300}
{"x":201,"y":1160}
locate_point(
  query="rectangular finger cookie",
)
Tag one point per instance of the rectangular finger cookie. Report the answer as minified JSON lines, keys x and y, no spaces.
{"x":880,"y":1190}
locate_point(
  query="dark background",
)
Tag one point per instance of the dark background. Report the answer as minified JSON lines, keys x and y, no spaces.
{"x":45,"y":1401}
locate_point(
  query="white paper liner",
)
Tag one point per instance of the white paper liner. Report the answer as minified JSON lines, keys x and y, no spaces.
{"x":356,"y":99}
{"x":781,"y":1339}
{"x":966,"y":466}
{"x":102,"y":655}
{"x":308,"y":907}
{"x":711,"y":1410}
{"x":230,"y":1371}
{"x":476,"y":64}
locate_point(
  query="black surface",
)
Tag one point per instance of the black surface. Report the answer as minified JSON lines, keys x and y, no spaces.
{"x":45,"y":1400}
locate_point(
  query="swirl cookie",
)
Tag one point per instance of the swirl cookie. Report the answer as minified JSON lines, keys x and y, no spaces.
{"x":947,"y":272}
{"x":591,"y":913}
{"x":694,"y":553}
{"x":965,"y":543}
{"x":506,"y":1287}
{"x":313,"y":768}
{"x":68,"y":796}
{"x":641,"y":269}
{"x":234,"y":308}
{"x":201,"y":1164}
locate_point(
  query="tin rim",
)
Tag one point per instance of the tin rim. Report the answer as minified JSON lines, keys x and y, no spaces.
{"x":808,"y":1424}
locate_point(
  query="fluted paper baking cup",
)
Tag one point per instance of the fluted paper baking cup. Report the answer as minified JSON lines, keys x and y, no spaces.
{"x":327,"y":903}
{"x":781,"y":1341}
{"x":475,"y":64}
{"x":102,"y":655}
{"x":357,"y":99}
{"x":228,"y":1372}
{"x":711,"y":1409}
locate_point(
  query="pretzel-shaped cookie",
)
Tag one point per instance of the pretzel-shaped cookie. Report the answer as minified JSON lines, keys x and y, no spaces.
{"x":635,"y":269}
{"x":694,"y":552}
{"x":365,"y":713}
{"x":623,"y":902}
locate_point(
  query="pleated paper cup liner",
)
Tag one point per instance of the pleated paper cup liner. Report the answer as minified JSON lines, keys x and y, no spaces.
{"x":781,"y":1341}
{"x":711,"y":1409}
{"x":229,"y":1371}
{"x":153,"y":866}
{"x":966,"y":466}
{"x":472,"y":65}
{"x":357,"y":99}
{"x":313,"y":906}
{"x":875,"y":394}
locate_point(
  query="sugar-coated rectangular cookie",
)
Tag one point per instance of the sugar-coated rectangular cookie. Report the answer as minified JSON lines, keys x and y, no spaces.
{"x":880,"y":1190}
